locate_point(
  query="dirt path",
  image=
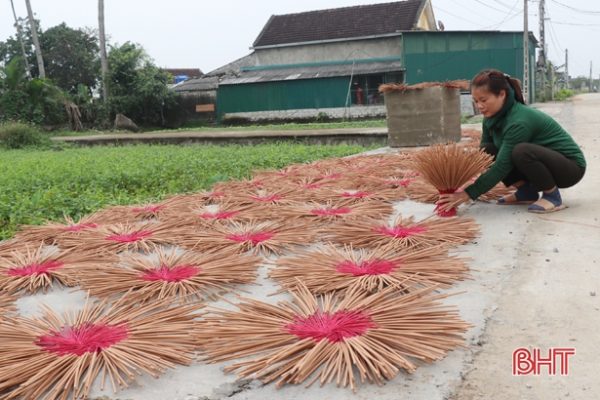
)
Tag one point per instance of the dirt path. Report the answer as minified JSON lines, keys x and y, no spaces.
{"x":553,"y":297}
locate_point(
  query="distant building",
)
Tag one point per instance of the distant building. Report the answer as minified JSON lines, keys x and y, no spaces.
{"x":324,"y":59}
{"x":183,"y":74}
{"x":332,"y":62}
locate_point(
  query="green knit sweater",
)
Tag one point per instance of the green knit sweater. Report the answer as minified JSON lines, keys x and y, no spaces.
{"x":516,"y":124}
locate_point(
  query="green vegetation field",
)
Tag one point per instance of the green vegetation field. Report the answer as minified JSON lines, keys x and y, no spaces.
{"x":40,"y":185}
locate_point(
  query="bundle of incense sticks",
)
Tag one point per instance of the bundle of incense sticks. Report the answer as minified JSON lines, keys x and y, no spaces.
{"x":134,"y":213}
{"x":449,"y":167}
{"x":326,"y":212}
{"x":223,"y":211}
{"x":422,"y":191}
{"x":7,"y":303}
{"x":400,"y":87}
{"x":60,"y":357}
{"x":331,"y":338}
{"x":34,"y":269}
{"x":56,"y":231}
{"x":268,"y":237}
{"x":164,"y":274}
{"x":403,"y":232}
{"x":262,"y":197}
{"x":332,"y":269}
{"x":118,"y":238}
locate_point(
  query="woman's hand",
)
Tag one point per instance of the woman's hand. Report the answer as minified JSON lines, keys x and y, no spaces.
{"x":449,"y":201}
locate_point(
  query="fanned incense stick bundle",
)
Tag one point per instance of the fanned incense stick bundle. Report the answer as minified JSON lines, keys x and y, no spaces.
{"x":263,"y":197}
{"x":33,"y":269}
{"x":403,"y":232}
{"x":6,"y":303}
{"x":135,"y":213}
{"x":448,"y":167}
{"x":173,"y":274}
{"x":332,"y":338}
{"x":222,"y":212}
{"x":360,"y":193}
{"x":332,"y":269}
{"x":234,"y":186}
{"x":332,"y":211}
{"x":270,"y":237}
{"x":126,"y":237}
{"x":185,"y":203}
{"x":60,"y":357}
{"x":52,"y":232}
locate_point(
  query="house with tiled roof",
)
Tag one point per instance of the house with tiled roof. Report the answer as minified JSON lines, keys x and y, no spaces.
{"x":331,"y":62}
{"x":320,"y":59}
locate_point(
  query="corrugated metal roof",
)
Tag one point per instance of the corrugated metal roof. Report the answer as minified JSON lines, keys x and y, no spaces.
{"x":325,"y":71}
{"x":197,"y":85}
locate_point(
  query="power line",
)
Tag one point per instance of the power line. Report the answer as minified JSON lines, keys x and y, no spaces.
{"x":574,"y":24}
{"x":488,"y":6}
{"x":507,"y":17}
{"x":575,"y":9}
{"x":503,"y":4}
{"x":457,"y":16}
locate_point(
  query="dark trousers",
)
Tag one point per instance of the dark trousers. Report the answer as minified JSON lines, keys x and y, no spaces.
{"x":540,"y":166}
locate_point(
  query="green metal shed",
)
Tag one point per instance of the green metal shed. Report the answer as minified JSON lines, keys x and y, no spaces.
{"x":449,"y":55}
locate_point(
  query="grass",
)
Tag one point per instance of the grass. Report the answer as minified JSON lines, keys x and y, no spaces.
{"x":376,"y":123}
{"x":40,"y":185}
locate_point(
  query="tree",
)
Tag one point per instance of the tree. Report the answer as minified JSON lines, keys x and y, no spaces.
{"x":138,"y":87}
{"x":103,"y":56}
{"x":71,"y":57}
{"x":32,"y":100}
{"x":20,"y":39}
{"x":36,"y":42}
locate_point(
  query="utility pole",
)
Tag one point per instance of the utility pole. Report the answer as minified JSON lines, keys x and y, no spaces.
{"x":525,"y":53}
{"x":542,"y":55}
{"x":591,"y":79}
{"x":567,"y":68}
{"x":36,"y":41}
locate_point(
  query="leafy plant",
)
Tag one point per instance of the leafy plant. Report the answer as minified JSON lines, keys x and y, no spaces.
{"x":44,"y":185}
{"x":16,"y":135}
{"x":563,"y":94}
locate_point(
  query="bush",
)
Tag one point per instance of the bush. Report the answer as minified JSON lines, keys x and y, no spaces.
{"x":563,"y":94}
{"x":16,"y":135}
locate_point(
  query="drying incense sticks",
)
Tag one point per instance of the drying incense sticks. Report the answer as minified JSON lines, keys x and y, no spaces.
{"x":60,"y":357}
{"x":448,"y":167}
{"x":6,"y":302}
{"x":269,"y":237}
{"x":171,"y":274}
{"x":403,"y":232}
{"x":56,"y":231}
{"x":331,"y":211}
{"x":126,"y":237}
{"x":38,"y":269}
{"x":333,"y":338}
{"x":332,"y":269}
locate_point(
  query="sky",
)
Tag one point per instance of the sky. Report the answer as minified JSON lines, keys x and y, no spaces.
{"x":208,"y":34}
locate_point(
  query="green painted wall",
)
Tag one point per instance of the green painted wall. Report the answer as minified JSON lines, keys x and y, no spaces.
{"x":445,"y":56}
{"x":283,"y":95}
{"x":427,"y":56}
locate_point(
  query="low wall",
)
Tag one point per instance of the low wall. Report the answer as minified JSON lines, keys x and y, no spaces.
{"x":354,"y":112}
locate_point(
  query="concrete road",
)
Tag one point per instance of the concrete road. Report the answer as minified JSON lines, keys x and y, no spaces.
{"x":552,"y":296}
{"x":536,"y":284}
